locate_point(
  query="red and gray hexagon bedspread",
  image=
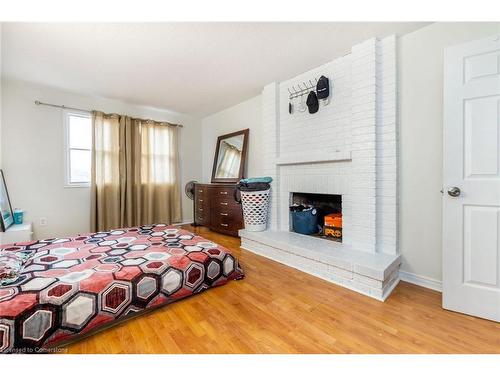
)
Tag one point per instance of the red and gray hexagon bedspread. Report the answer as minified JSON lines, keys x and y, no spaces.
{"x":73,"y":285}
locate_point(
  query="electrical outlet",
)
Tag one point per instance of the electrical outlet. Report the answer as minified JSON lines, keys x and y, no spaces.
{"x":43,"y":221}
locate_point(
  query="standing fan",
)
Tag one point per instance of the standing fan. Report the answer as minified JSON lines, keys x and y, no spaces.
{"x":189,"y":189}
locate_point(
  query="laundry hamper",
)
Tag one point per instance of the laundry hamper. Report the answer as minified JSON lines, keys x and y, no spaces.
{"x":255,"y":209}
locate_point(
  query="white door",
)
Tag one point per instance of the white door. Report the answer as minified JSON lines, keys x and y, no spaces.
{"x":471,"y":199}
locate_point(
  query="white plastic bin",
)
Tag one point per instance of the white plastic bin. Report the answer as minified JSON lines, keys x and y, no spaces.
{"x":255,"y":209}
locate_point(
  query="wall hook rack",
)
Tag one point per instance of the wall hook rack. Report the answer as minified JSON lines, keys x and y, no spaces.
{"x":303,"y":89}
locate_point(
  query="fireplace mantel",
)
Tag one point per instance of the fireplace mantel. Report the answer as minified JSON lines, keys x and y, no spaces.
{"x":315,"y":157}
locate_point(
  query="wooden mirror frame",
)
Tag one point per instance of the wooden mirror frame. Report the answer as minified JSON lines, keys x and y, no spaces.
{"x":3,"y":226}
{"x":241,"y":172}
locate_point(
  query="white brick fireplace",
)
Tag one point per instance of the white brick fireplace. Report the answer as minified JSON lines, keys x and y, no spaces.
{"x":348,"y":148}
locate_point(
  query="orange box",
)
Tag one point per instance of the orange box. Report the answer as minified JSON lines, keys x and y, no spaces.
{"x":332,"y":232}
{"x":333,"y":220}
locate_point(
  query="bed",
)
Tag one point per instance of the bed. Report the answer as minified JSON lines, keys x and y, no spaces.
{"x":71,"y":287}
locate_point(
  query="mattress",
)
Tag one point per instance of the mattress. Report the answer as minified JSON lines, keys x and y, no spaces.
{"x":73,"y":286}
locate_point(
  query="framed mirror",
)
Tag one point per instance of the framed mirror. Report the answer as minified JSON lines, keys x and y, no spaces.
{"x":6,"y":216}
{"x":230,"y":157}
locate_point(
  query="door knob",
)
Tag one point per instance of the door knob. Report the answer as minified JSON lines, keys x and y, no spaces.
{"x":454,"y":191}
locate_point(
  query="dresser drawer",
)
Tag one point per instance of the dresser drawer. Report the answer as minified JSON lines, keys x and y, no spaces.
{"x":224,"y":192}
{"x":201,"y":191}
{"x":201,"y":216}
{"x":228,"y":213}
{"x":222,"y":203}
{"x":201,"y":219}
{"x":229,"y":223}
{"x":201,"y":202}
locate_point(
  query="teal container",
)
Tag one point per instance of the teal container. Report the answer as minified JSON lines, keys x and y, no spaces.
{"x":305,"y":222}
{"x":18,"y":216}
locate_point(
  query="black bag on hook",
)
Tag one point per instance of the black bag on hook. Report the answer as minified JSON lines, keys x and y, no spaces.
{"x":312,"y":102}
{"x":323,"y":88}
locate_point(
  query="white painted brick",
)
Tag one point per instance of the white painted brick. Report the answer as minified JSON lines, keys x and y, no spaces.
{"x":340,"y":272}
{"x":361,"y":118}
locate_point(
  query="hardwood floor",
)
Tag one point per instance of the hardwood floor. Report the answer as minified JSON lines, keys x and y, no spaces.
{"x":277,"y":309}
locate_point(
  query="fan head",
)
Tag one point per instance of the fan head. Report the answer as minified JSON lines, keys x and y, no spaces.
{"x":189,"y":189}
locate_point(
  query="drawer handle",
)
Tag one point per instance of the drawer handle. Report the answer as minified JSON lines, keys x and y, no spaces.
{"x":200,"y":200}
{"x":223,"y":203}
{"x":200,"y":209}
{"x":225,"y":225}
{"x":223,"y":192}
{"x":223,"y":214}
{"x":200,"y":218}
{"x":200,"y":191}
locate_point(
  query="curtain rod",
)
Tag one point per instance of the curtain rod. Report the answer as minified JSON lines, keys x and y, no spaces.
{"x":37,"y":102}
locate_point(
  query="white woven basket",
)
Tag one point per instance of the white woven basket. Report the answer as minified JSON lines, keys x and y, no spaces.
{"x":255,"y":209}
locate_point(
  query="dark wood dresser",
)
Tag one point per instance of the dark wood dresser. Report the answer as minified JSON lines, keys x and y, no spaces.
{"x":215,"y":207}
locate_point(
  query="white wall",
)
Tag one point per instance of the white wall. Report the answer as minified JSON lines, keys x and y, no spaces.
{"x":247,"y":114}
{"x":32,"y":153}
{"x":420,"y":63}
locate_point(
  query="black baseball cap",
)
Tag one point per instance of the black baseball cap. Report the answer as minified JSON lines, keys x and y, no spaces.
{"x":323,"y":88}
{"x":312,"y":102}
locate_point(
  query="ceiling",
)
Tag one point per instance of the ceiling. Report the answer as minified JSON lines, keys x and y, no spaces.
{"x":193,"y":68}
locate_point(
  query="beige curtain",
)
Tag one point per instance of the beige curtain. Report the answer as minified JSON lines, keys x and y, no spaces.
{"x":135,"y":172}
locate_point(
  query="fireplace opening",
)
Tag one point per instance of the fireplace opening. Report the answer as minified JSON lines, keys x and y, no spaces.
{"x":317,"y":215}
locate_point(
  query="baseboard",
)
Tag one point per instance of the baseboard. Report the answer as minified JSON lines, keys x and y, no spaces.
{"x":184,"y":223}
{"x":423,"y":281}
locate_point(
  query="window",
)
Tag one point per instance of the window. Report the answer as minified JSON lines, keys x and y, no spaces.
{"x":78,"y":132}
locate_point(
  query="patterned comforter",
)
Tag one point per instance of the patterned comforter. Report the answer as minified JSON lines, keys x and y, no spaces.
{"x":71,"y":286}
